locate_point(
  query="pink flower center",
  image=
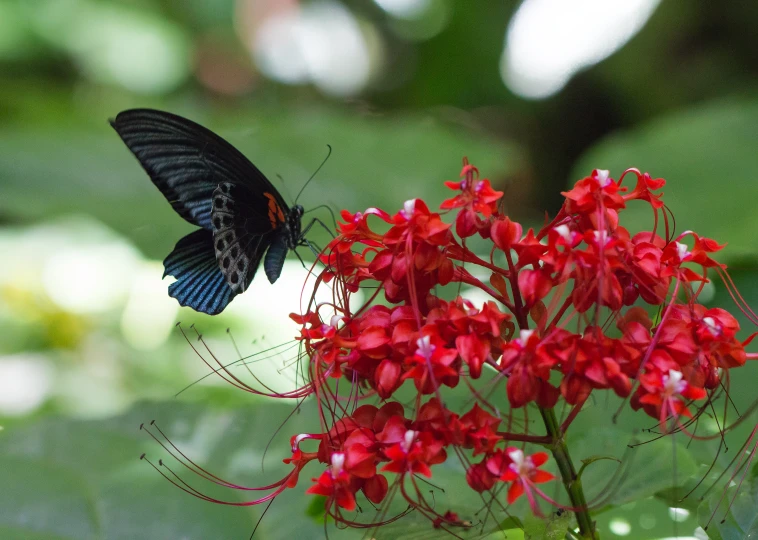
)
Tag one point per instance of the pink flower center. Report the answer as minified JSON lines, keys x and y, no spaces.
{"x":425,"y":347}
{"x":338,"y":462}
{"x":603,"y":177}
{"x":521,"y":465}
{"x":673,"y":383}
{"x":564,"y":231}
{"x":682,"y":251}
{"x":524,"y":336}
{"x":601,"y":237}
{"x":409,"y":207}
{"x":407,"y":443}
{"x":713,"y":327}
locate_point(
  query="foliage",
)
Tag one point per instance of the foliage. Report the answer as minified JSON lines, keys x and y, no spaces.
{"x":677,"y":100}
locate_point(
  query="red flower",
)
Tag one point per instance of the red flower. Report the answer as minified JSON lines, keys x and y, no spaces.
{"x":415,"y":453}
{"x":479,"y":478}
{"x":476,"y":199}
{"x":334,"y":483}
{"x":646,"y":184}
{"x":528,"y":365}
{"x":597,"y":362}
{"x":478,"y":430}
{"x":505,"y":233}
{"x":663,"y":394}
{"x":432,"y":364}
{"x":521,"y":471}
{"x":449,"y":518}
{"x":596,"y":199}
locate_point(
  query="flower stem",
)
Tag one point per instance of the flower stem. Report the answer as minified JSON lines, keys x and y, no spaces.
{"x":571,"y":482}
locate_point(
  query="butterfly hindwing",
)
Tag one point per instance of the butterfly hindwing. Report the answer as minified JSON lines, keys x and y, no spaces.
{"x":186,"y":161}
{"x":200,"y":284}
{"x":243,"y":228}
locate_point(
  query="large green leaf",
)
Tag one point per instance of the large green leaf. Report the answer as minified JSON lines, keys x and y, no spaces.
{"x":625,"y":490}
{"x":709,"y":157}
{"x":732,"y":514}
{"x":650,"y":467}
{"x":81,"y":480}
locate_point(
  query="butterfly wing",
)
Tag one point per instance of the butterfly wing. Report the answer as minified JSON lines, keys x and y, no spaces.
{"x":186,"y":161}
{"x":200,"y":284}
{"x":245,"y":224}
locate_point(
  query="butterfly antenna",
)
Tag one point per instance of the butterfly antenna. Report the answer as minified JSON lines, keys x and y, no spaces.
{"x":329,"y":153}
{"x":284,"y":185}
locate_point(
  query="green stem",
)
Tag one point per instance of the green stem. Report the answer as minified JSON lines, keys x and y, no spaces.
{"x":571,"y":482}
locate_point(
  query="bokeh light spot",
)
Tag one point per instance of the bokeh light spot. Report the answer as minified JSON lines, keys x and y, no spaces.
{"x":404,"y":9}
{"x":89,"y":279}
{"x":678,"y":514}
{"x":25,"y":382}
{"x":620,"y":527}
{"x":322,"y":43}
{"x":115,"y":45}
{"x":150,"y":314}
{"x":548,"y":41}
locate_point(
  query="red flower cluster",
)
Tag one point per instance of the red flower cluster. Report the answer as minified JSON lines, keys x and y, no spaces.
{"x":357,"y":445}
{"x":545,"y":283}
{"x":582,"y":260}
{"x":568,"y":311}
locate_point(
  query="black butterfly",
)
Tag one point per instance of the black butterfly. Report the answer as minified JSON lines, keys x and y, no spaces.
{"x":211,"y":184}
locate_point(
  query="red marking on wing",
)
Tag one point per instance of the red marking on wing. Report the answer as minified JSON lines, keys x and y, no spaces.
{"x":275,"y":213}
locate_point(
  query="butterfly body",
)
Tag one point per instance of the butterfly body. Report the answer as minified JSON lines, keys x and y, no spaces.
{"x":243,"y":219}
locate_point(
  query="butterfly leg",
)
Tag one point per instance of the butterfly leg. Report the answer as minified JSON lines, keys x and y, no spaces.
{"x":299,"y":258}
{"x":315,"y":252}
{"x":313,"y":222}
{"x":329,"y":209}
{"x":315,"y":249}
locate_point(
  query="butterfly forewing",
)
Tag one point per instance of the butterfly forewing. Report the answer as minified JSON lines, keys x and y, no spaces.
{"x":186,"y":161}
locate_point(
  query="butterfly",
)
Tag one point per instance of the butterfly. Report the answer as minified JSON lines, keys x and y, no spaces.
{"x":243,"y":219}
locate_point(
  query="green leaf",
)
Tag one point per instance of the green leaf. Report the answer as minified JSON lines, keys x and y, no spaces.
{"x":534,"y":527}
{"x":552,"y":527}
{"x":642,"y":471}
{"x":733,"y":514}
{"x":586,"y":462}
{"x":316,"y":508}
{"x":79,"y":480}
{"x":708,"y":157}
{"x":557,"y":525}
{"x":511,"y":522}
{"x":677,"y":497}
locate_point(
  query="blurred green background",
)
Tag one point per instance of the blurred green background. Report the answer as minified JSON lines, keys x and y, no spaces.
{"x":536,"y":93}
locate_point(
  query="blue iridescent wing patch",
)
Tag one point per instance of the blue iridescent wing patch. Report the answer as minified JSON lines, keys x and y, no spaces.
{"x":199,"y":281}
